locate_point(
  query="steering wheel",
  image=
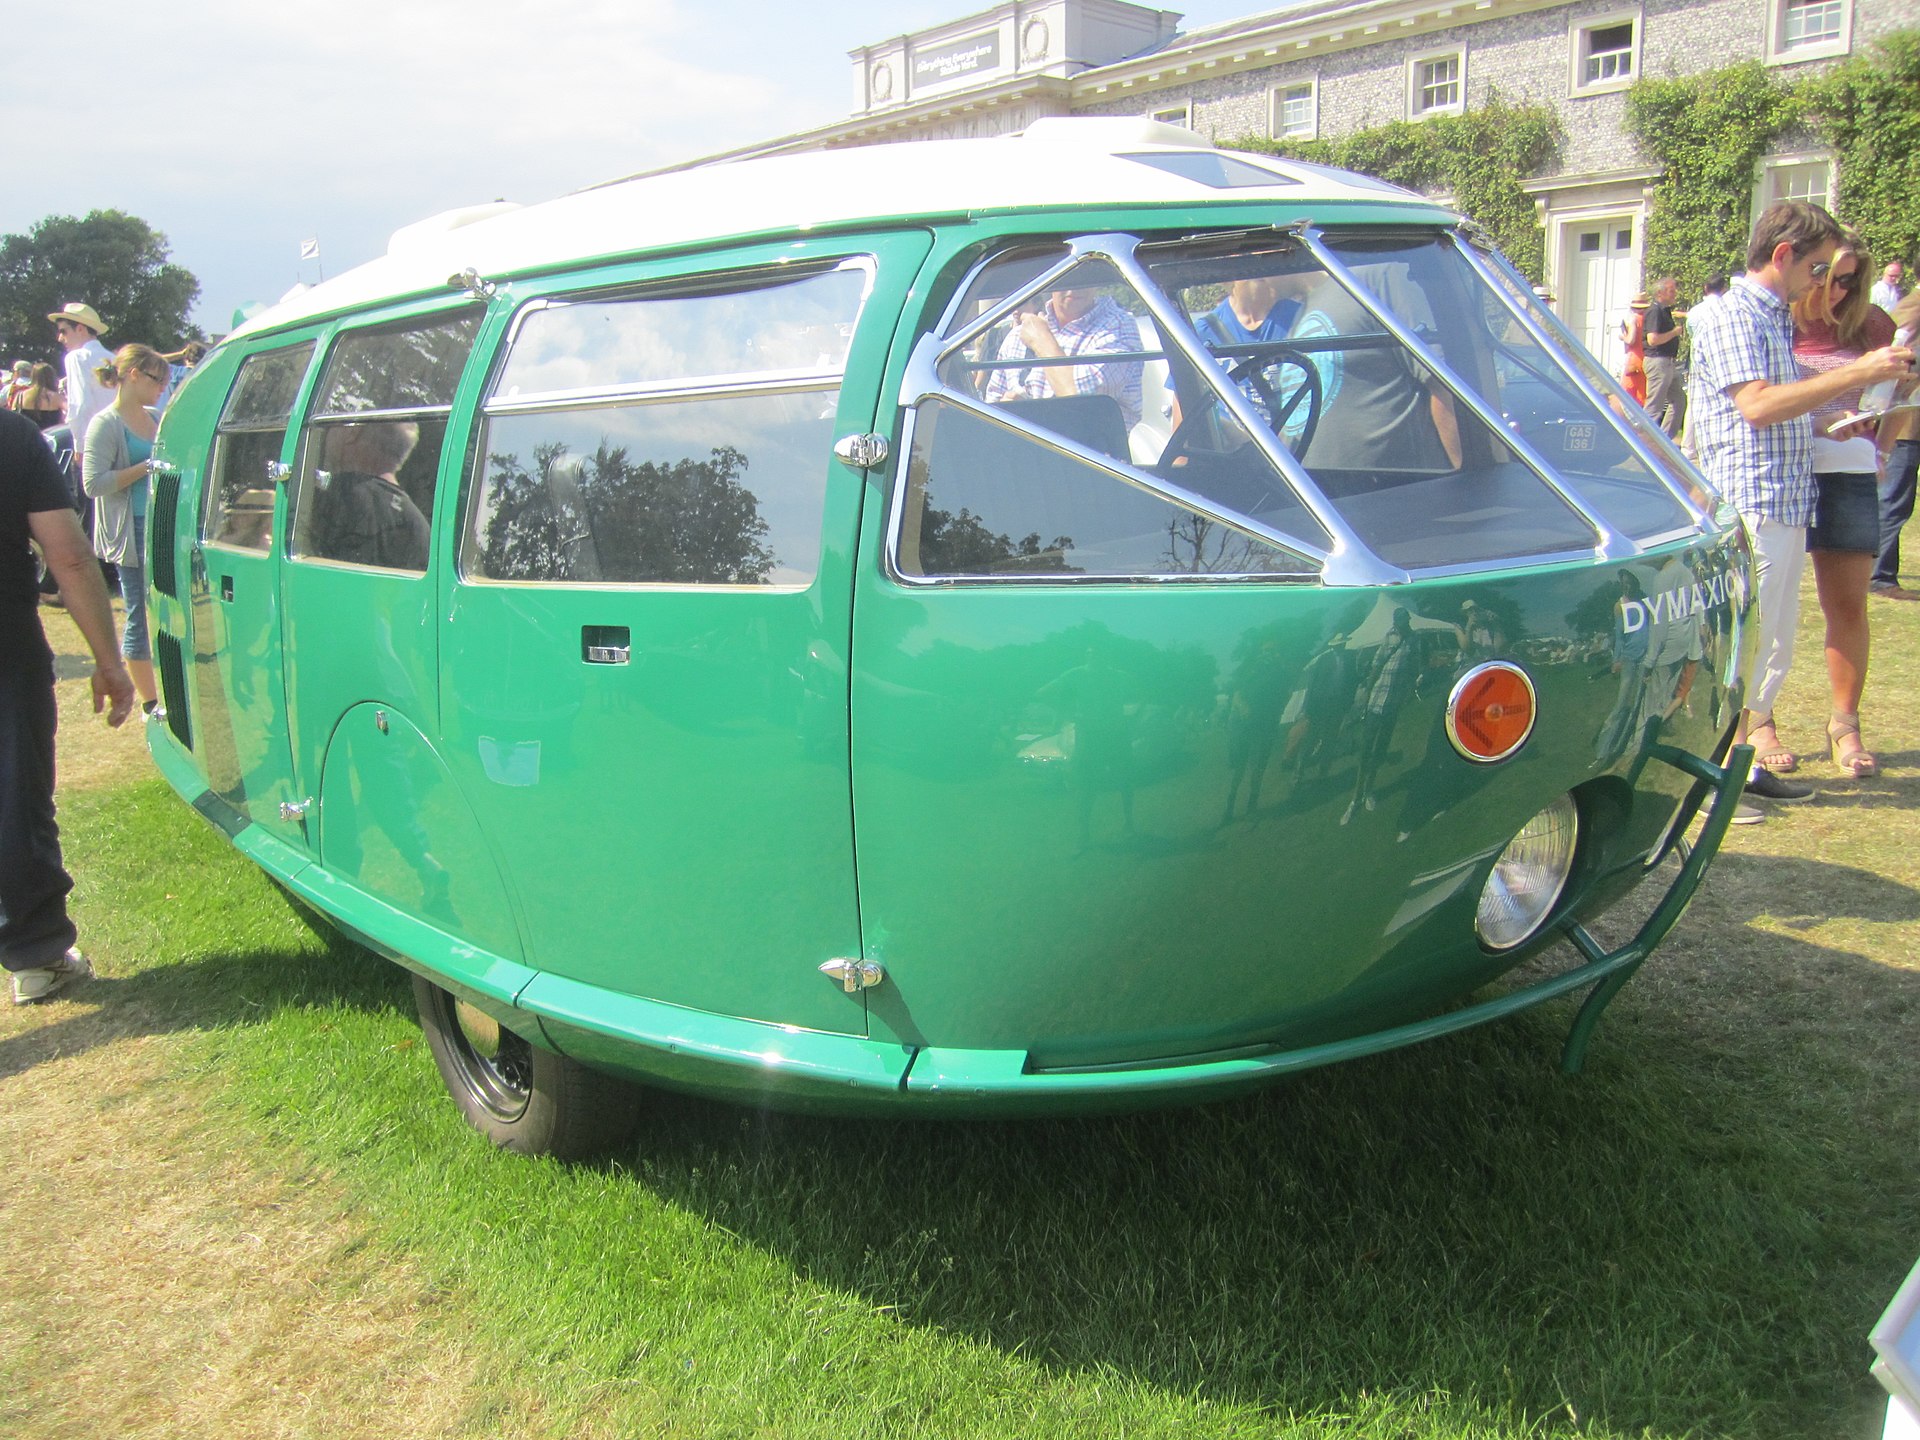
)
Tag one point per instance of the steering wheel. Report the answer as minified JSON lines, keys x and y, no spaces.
{"x":1251,"y":372}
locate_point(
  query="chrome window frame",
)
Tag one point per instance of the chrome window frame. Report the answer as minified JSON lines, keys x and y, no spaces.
{"x":922,"y":382}
{"x":221,"y":429}
{"x":1348,"y":561}
{"x":744,"y":384}
{"x":1547,"y":329}
{"x":665,"y":288}
{"x":318,"y":419}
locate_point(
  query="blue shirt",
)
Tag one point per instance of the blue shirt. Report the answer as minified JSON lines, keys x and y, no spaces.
{"x":139,"y":451}
{"x":1765,"y":470}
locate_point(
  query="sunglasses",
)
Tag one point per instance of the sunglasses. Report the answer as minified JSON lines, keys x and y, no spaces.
{"x":60,"y":327}
{"x":1848,"y":280}
{"x":1819,"y":271}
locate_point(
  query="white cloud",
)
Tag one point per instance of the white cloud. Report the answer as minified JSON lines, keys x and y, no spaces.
{"x":240,"y":127}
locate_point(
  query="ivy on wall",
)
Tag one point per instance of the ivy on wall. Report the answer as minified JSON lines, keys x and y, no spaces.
{"x":1709,"y":132}
{"x":1868,"y":109}
{"x":1480,"y":158}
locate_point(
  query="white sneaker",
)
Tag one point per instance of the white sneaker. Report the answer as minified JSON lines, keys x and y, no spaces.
{"x":50,"y":980}
{"x":1745,"y":814}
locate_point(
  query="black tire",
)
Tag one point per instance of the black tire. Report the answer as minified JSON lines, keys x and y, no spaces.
{"x":521,"y":1097}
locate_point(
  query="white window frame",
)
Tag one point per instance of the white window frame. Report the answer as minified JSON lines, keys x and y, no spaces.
{"x":1779,"y":54}
{"x":1580,"y":51}
{"x":1772,"y":165}
{"x":1181,"y":115}
{"x":1415,"y":111}
{"x":1276,"y":103}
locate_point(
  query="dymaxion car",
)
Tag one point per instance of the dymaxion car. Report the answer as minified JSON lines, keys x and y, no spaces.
{"x":697,"y":629}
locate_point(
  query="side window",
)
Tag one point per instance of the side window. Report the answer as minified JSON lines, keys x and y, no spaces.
{"x":237,"y":507}
{"x":991,"y":492}
{"x":666,"y":437}
{"x":371,"y":450}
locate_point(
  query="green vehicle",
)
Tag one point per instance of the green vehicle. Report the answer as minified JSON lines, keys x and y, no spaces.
{"x":1077,"y":621}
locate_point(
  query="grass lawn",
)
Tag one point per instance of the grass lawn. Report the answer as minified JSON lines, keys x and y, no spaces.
{"x":1691,"y":1239}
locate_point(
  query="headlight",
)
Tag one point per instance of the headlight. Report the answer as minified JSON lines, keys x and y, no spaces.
{"x":1528,"y":877}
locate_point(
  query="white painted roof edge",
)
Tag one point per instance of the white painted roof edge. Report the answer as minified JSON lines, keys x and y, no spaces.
{"x":1058,"y":162}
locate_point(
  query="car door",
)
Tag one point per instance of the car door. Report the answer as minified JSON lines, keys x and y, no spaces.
{"x":644,"y":651}
{"x":239,"y":716}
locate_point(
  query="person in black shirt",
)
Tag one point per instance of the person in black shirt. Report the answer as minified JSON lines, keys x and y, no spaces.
{"x":1666,"y":395}
{"x":36,"y":935}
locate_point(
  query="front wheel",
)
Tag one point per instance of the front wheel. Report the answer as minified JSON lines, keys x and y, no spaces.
{"x":521,"y":1097}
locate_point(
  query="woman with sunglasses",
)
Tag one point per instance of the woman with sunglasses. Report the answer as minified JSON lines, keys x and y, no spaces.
{"x":118,"y":460}
{"x":1834,"y":324}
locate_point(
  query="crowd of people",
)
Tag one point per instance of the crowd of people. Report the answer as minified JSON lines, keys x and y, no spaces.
{"x":76,"y":454}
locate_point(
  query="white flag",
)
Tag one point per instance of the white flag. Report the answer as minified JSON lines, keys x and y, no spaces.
{"x":309,"y":249}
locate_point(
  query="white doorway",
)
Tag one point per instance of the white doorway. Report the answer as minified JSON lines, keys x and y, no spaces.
{"x":1601,"y":266}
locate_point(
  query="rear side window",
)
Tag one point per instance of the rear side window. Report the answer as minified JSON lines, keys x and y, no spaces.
{"x":371,"y":452}
{"x":668,"y":437}
{"x":237,"y":508}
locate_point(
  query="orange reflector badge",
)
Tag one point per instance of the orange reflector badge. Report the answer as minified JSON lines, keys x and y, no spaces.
{"x":1490,"y":712}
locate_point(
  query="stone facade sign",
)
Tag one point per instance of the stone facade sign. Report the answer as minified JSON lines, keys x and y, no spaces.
{"x":956,"y":59}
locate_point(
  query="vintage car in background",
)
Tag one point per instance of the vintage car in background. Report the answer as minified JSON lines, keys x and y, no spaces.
{"x":700,"y":630}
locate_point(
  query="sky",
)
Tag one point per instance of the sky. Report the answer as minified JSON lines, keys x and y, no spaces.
{"x":241,"y":128}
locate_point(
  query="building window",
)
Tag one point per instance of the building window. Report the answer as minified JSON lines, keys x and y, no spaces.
{"x":1293,"y":112}
{"x":1808,"y":29}
{"x":1181,"y":115}
{"x":1435,"y":84}
{"x":1794,"y":177}
{"x":1606,"y":53}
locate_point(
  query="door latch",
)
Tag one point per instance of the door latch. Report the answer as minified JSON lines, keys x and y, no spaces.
{"x":292,"y":810}
{"x":854,"y":975}
{"x":863,"y":452}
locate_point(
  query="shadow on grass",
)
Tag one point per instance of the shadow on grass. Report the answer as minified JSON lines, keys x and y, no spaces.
{"x":207,"y":993}
{"x":1692,"y":1237}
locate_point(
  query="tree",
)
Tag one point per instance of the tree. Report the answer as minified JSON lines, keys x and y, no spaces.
{"x":112,"y":261}
{"x":607,"y":517}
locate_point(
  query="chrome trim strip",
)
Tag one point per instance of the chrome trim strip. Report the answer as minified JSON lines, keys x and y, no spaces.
{"x":410,"y":412}
{"x":668,"y":287}
{"x":1612,"y":544}
{"x":654,"y":395}
{"x":1504,"y":563}
{"x":1483,"y":263}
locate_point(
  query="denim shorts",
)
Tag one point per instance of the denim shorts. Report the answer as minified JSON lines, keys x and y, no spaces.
{"x":1846,"y":514}
{"x":133,"y":590}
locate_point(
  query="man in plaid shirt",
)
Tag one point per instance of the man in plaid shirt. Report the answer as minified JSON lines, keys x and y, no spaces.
{"x":1751,"y":423}
{"x":1072,"y":322}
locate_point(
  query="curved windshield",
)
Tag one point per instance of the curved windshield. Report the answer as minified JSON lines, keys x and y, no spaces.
{"x":1365,"y":390}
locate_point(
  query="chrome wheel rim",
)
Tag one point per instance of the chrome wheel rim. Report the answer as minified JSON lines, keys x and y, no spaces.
{"x":495,"y":1065}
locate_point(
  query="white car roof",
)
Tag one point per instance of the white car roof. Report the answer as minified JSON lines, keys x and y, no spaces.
{"x":1055,"y":163}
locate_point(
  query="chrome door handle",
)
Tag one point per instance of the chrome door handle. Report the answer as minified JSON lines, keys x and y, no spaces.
{"x":606,"y":644}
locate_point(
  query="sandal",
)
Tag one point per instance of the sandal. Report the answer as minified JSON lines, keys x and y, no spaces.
{"x":1859,"y":762}
{"x":1775,"y":757}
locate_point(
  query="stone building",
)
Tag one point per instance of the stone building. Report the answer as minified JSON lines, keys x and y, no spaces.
{"x":1320,"y":69}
